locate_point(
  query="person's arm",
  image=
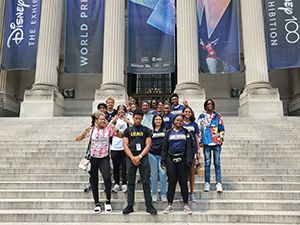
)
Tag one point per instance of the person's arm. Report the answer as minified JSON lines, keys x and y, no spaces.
{"x":83,"y":134}
{"x":164,"y":150}
{"x":221,"y":129}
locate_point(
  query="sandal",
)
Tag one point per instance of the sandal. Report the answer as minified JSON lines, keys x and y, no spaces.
{"x":107,"y":207}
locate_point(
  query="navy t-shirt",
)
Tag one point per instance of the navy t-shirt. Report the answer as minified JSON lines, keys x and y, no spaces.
{"x":157,"y":141}
{"x":168,"y":120}
{"x":177,"y":141}
{"x":177,"y":110}
{"x":191,"y":127}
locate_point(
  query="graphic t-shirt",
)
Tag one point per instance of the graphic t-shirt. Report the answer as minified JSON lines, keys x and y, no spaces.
{"x":176,"y":110}
{"x":157,"y":141}
{"x":177,"y":141}
{"x":117,"y":143}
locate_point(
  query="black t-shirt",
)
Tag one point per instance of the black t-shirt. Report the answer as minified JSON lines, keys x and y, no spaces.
{"x":110,"y":115}
{"x":137,"y":136}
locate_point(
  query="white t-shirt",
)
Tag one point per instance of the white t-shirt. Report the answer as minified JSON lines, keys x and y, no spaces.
{"x":117,"y":143}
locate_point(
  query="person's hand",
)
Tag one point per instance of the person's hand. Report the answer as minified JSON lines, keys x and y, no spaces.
{"x":136,"y":160}
{"x":86,"y":131}
{"x":163,"y":166}
{"x":185,"y":102}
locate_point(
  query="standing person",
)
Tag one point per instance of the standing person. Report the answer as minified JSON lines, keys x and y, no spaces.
{"x":117,"y":150}
{"x":168,"y":116}
{"x":129,"y":114}
{"x":147,"y":118}
{"x":212,"y":133}
{"x":177,"y":156}
{"x":99,"y":157}
{"x":111,"y":112}
{"x":137,"y":143}
{"x":190,"y":124}
{"x":153,"y":106}
{"x":158,"y":135}
{"x":176,"y":108}
{"x":160,"y":108}
{"x":102,"y":107}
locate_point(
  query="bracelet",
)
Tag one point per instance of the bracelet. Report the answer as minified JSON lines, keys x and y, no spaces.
{"x":140,"y":156}
{"x":83,"y":134}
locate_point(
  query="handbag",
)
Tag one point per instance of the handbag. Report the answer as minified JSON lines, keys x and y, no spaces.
{"x":85,"y":163}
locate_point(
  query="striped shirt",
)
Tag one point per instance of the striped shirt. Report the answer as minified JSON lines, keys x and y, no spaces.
{"x":100,"y":141}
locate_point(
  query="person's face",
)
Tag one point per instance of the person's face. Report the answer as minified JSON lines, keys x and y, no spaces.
{"x":153,"y":104}
{"x":158,"y":121}
{"x":178,"y":122}
{"x":121,"y":111}
{"x":187,"y":113}
{"x":145,"y":107}
{"x":210,"y":106}
{"x":102,"y":109}
{"x":101,"y":121}
{"x":174,"y":101}
{"x":167,"y":109}
{"x":132,"y":107}
{"x":160,"y":107}
{"x":110,"y":104}
{"x":137,"y":120}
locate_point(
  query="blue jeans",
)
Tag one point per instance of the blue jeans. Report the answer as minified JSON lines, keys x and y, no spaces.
{"x":156,"y":170}
{"x":207,"y":159}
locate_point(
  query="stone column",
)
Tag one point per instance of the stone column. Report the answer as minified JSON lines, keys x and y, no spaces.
{"x":258,"y":97}
{"x":8,"y":104}
{"x":294,"y":103}
{"x":113,"y":55}
{"x":187,"y":55}
{"x":44,"y":99}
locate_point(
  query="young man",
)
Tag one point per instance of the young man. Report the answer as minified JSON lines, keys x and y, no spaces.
{"x":137,"y":143}
{"x":148,"y":116}
{"x":111,"y":112}
{"x":176,"y":108}
{"x":212,"y":132}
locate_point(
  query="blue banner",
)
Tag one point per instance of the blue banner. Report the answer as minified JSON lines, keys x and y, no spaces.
{"x":282,"y":19}
{"x":21,"y":34}
{"x":84,"y":36}
{"x":218,"y":33}
{"x":151,"y":36}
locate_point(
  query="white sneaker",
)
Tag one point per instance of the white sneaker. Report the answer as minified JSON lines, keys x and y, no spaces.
{"x":116,"y":188}
{"x":192,"y":197}
{"x":219,"y":187}
{"x":187,"y":210}
{"x":97,"y":208}
{"x":206,"y":187}
{"x":124,"y":188}
{"x":154,"y":198}
{"x":164,"y":198}
{"x":168,"y":209}
{"x":107,"y":207}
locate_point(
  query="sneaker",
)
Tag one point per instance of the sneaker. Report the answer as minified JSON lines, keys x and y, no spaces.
{"x":187,"y":210}
{"x":219,"y":187}
{"x":168,"y":209}
{"x":124,"y":188}
{"x":164,"y":198}
{"x":127,"y":210}
{"x":206,"y":187}
{"x":107,"y":207}
{"x":154,"y":198}
{"x":151,"y":210}
{"x":87,"y":189}
{"x":116,"y":188}
{"x":97,"y":208}
{"x":192,"y":197}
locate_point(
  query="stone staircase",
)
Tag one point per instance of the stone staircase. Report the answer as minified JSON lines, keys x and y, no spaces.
{"x":40,"y":182}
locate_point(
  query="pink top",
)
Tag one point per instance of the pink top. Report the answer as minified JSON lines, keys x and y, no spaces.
{"x":100,"y":141}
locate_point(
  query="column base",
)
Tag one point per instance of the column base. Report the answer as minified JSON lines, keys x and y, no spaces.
{"x":193,"y":93}
{"x":8,"y":105}
{"x":260,"y":99}
{"x":294,"y":105}
{"x":117,"y":91}
{"x":42,"y":101}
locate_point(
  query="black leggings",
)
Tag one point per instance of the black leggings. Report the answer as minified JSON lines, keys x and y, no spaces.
{"x":177,"y":172}
{"x":103,"y":165}
{"x":119,"y":163}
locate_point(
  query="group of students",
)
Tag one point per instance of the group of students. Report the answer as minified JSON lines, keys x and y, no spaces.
{"x":161,"y":140}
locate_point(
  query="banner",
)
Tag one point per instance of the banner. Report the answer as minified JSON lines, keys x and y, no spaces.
{"x":84,"y":36}
{"x":218,"y":33}
{"x":282,"y":19}
{"x":21,"y":34}
{"x":151,"y":36}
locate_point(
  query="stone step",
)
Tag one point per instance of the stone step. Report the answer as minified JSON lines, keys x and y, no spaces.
{"x":120,"y":223}
{"x":225,"y":170}
{"x":85,"y":177}
{"x":211,"y":216}
{"x":212,"y":195}
{"x":4,"y":185}
{"x":119,"y":204}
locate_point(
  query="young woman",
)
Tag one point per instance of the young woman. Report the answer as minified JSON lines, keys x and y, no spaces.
{"x":154,"y":155}
{"x":99,"y":157}
{"x":168,"y":116}
{"x":190,"y":124}
{"x":177,"y":156}
{"x":117,"y":150}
